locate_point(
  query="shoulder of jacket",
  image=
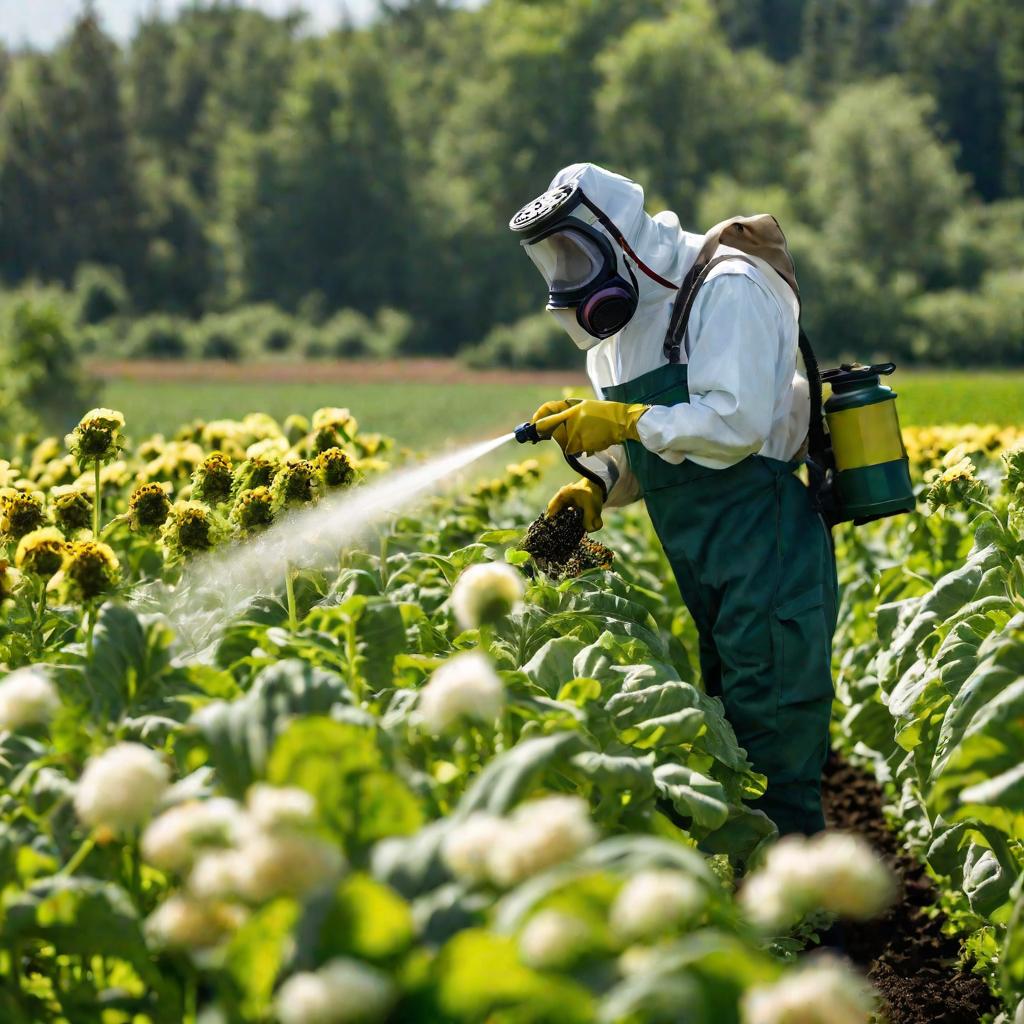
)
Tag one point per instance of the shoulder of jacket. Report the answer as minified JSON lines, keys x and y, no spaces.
{"x":739,"y":272}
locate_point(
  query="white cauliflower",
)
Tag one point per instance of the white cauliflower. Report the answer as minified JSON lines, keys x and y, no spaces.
{"x":181,"y":922}
{"x":267,"y":866}
{"x":121,"y":787}
{"x":551,"y":940}
{"x":275,"y":807}
{"x":485,"y":593}
{"x":468,"y":846}
{"x":343,"y":991}
{"x":27,"y":697}
{"x":541,"y":833}
{"x":464,"y":687}
{"x":172,"y":841}
{"x":831,"y":871}
{"x":827,"y":992}
{"x":654,"y":902}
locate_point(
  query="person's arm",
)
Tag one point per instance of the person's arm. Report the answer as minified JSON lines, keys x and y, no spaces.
{"x":735,"y":336}
{"x":612,"y":467}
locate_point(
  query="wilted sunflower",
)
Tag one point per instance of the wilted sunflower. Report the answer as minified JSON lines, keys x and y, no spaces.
{"x":98,"y":437}
{"x":213,"y":479}
{"x":191,"y":527}
{"x":90,"y":569}
{"x":255,"y":472}
{"x":296,"y":484}
{"x":41,"y":552}
{"x":296,"y":427}
{"x":253,"y":510}
{"x":956,"y":485}
{"x":335,"y":468}
{"x":1013,"y":459}
{"x":10,"y":580}
{"x":148,"y":506}
{"x":190,"y":431}
{"x":72,"y":509}
{"x":21,"y":512}
{"x":46,"y":451}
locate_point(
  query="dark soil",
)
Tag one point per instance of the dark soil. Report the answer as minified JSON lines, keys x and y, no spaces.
{"x":560,"y":548}
{"x":909,"y":960}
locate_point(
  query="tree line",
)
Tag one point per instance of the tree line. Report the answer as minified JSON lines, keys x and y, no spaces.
{"x":224,"y":158}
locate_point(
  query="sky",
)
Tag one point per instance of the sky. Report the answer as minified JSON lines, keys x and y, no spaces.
{"x":42,"y":22}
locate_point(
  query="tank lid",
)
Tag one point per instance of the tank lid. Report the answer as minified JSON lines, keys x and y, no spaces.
{"x":853,"y":374}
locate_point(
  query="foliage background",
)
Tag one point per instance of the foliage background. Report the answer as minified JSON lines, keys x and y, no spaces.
{"x":227,"y":184}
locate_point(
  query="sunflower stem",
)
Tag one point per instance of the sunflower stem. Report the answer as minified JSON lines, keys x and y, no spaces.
{"x":289,"y":581}
{"x":80,"y":854}
{"x":40,"y":616}
{"x":91,"y":619}
{"x":96,"y":500}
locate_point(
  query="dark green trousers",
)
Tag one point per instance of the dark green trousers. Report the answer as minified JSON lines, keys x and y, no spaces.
{"x":755,"y":566}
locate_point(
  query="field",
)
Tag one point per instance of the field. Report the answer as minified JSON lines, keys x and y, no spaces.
{"x":458,"y":774}
{"x":424,"y":413}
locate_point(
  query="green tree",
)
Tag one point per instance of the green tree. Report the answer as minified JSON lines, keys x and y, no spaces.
{"x":969,"y":54}
{"x":676,"y":106}
{"x":319,"y":203}
{"x":881,"y":187}
{"x":67,"y":178}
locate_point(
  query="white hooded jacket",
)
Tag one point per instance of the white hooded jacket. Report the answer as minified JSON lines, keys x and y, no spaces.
{"x":748,"y":392}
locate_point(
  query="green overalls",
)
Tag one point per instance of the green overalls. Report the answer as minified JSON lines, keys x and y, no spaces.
{"x":755,"y":566}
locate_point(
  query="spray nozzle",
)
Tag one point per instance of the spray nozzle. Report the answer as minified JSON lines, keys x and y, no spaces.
{"x":527,"y":432}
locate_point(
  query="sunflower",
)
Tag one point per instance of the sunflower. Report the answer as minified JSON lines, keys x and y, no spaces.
{"x":335,"y":468}
{"x":71,"y":508}
{"x":21,"y":512}
{"x":98,"y":437}
{"x":41,"y":552}
{"x":148,"y":506}
{"x":90,"y":569}
{"x":191,"y":527}
{"x":297,"y":483}
{"x":213,"y":479}
{"x":253,"y":510}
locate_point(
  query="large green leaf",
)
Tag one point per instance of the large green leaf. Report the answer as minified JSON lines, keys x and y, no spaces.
{"x":479,"y":974}
{"x":340,"y":763}
{"x":694,"y":796}
{"x":552,"y":666}
{"x":240,"y":735}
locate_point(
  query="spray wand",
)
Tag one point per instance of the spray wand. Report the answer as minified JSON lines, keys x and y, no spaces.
{"x":528,"y":433}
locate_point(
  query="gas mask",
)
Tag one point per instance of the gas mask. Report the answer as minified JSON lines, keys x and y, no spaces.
{"x":585,"y":261}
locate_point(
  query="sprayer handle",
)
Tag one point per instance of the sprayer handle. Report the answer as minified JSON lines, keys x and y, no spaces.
{"x":574,"y":462}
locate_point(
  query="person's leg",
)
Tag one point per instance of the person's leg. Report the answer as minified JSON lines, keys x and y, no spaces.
{"x":773,"y":632}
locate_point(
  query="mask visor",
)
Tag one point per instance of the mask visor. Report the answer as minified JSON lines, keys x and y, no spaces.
{"x":569,"y":261}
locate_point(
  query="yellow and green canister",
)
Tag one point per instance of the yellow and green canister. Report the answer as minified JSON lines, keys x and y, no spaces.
{"x":872,"y":472}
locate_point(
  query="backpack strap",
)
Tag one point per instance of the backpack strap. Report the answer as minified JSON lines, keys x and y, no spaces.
{"x":687,"y":295}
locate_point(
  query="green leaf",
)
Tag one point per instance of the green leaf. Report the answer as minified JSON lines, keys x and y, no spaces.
{"x":479,"y":974}
{"x":341,"y":765}
{"x":240,"y":735}
{"x":507,"y":778}
{"x":257,"y":951}
{"x":552,"y":666}
{"x":365,"y":919}
{"x":693,"y":795}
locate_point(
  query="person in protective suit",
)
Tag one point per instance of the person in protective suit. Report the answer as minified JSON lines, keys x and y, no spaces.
{"x":703,"y":412}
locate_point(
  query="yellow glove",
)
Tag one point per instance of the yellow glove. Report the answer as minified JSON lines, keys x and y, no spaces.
{"x":588,"y":425}
{"x":586,"y":496}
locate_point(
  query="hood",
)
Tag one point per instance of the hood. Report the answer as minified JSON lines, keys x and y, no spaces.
{"x":660,"y":243}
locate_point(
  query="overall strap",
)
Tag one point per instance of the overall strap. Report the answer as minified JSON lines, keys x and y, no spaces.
{"x":695,"y":277}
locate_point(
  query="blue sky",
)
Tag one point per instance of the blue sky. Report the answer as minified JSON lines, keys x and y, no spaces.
{"x":43,"y":22}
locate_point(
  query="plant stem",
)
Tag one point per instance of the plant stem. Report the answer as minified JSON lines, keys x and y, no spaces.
{"x":289,"y":582}
{"x":80,"y":854}
{"x":37,"y":626}
{"x":91,"y":617}
{"x":97,"y":498}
